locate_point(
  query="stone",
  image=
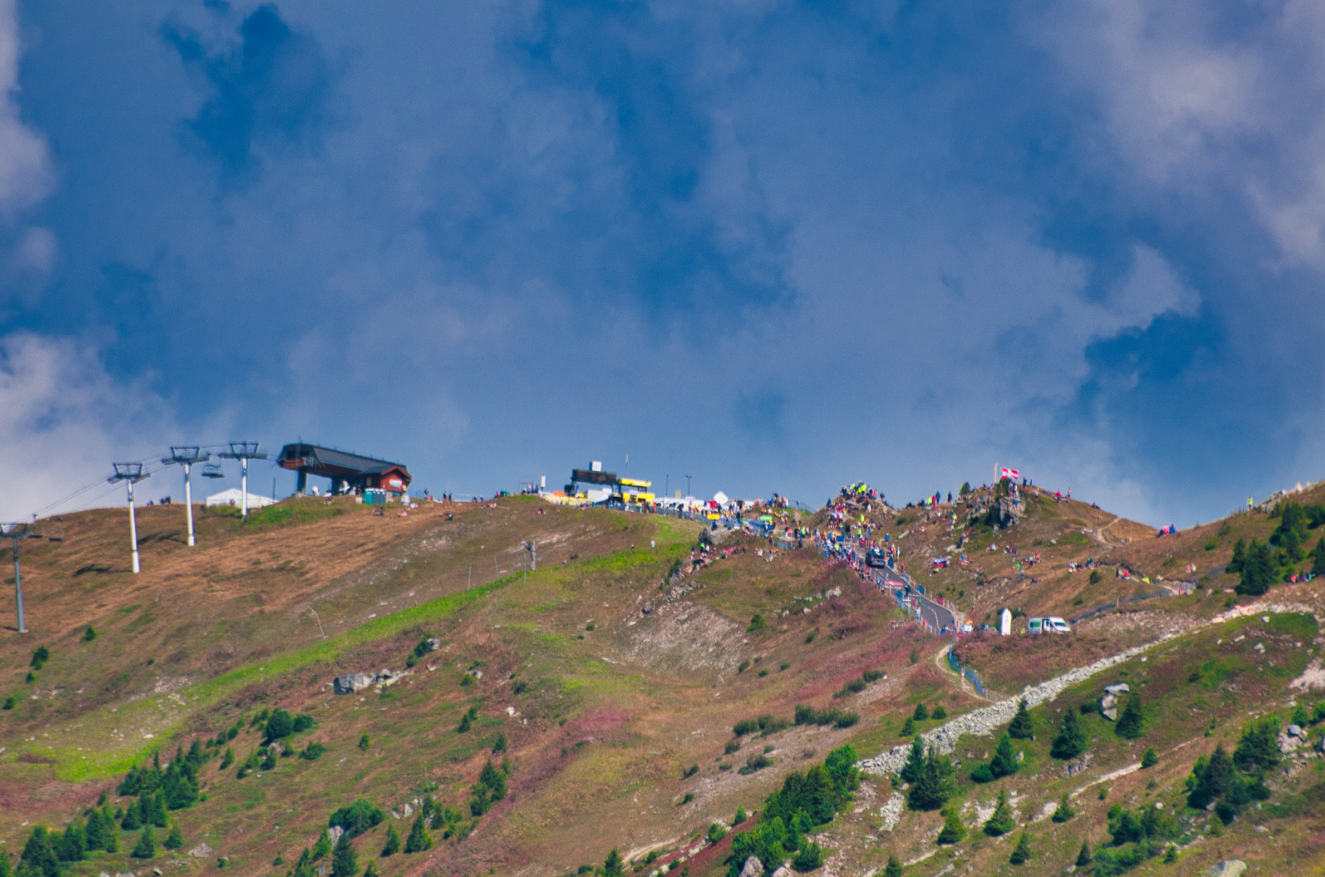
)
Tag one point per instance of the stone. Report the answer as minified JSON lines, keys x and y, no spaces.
{"x":1111,"y":713}
{"x":783,"y":871}
{"x":753,"y":868}
{"x":352,"y":683}
{"x":334,"y":832}
{"x":409,"y":810}
{"x":1226,"y":868}
{"x":1108,"y":701}
{"x":201,"y":851}
{"x":1117,"y":688}
{"x":158,"y":872}
{"x":1296,"y":731}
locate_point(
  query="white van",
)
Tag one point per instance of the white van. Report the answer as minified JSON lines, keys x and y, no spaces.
{"x":1051,"y":624}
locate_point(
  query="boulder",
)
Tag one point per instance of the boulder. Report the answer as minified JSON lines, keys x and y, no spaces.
{"x":201,"y":851}
{"x":753,"y":868}
{"x":783,"y":871}
{"x":352,"y":683}
{"x":1296,"y":731}
{"x":1227,"y":868}
{"x":334,"y":832}
{"x":1117,"y":688}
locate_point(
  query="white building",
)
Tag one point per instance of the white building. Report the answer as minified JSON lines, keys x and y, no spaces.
{"x":233,"y":497}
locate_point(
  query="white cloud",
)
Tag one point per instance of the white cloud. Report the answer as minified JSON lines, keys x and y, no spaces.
{"x":63,"y":420}
{"x":25,"y":169}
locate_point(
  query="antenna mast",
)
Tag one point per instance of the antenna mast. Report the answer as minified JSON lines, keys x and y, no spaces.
{"x":131,"y":473}
{"x":243,"y":452}
{"x":17,"y":532}
{"x":186,"y":456}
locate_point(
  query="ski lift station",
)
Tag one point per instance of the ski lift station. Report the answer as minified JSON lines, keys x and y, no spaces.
{"x":348,"y":473}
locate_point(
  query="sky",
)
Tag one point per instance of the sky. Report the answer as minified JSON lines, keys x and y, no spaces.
{"x":766,"y":246}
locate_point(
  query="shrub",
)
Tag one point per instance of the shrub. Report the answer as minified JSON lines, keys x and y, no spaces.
{"x":1258,"y":750}
{"x":364,"y":742}
{"x":1095,"y":577}
{"x":953,"y":830}
{"x":755,"y":763}
{"x":743,"y":666}
{"x":732,"y":746}
{"x":982,"y":774}
{"x":9,"y":703}
{"x":1149,"y":759}
{"x":1064,"y":811}
{"x":357,"y":817}
{"x":302,"y":723}
{"x":870,"y":675}
{"x":313,"y":751}
{"x":89,"y":634}
{"x":689,"y":771}
{"x":939,"y":713}
{"x":280,"y":724}
{"x":745,"y":726}
{"x":809,"y":858}
{"x":39,"y":657}
{"x":1318,"y":713}
{"x":716,"y":833}
{"x":756,"y":624}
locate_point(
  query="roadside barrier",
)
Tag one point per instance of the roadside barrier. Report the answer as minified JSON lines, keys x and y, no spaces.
{"x":966,"y":673}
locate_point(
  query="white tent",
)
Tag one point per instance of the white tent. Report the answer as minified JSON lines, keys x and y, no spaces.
{"x":232,"y":497}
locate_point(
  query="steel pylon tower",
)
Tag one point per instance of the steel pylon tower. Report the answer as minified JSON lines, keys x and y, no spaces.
{"x":186,"y":456}
{"x":17,"y":532}
{"x":243,"y":452}
{"x":131,"y":473}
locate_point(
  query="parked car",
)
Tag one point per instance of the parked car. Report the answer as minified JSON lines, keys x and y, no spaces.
{"x":1050,"y":624}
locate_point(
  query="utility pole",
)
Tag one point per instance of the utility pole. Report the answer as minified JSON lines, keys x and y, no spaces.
{"x":243,"y":452}
{"x":532,"y":549}
{"x":17,"y":532}
{"x":688,"y":494}
{"x":131,"y":473}
{"x":186,"y":456}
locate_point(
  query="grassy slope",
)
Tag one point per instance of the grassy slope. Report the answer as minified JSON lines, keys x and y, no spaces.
{"x":601,"y":723}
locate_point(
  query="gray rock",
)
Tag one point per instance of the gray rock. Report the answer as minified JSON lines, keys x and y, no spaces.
{"x":1117,"y":688}
{"x":1227,"y":868}
{"x":753,"y":868}
{"x":783,"y":871}
{"x":1111,"y":713}
{"x":1296,"y":731}
{"x":352,"y":683}
{"x":334,"y":832}
{"x":201,"y":851}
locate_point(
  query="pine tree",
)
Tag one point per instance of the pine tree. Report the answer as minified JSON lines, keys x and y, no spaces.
{"x":131,"y":822}
{"x":323,"y":845}
{"x":499,"y":745}
{"x":175,"y":839}
{"x":1000,"y":821}
{"x":371,"y":870}
{"x":613,"y":866}
{"x":1131,"y":723}
{"x":39,"y":857}
{"x":1064,"y":811}
{"x":1213,"y":779}
{"x":1239,"y":555}
{"x":915,"y":761}
{"x":227,"y":759}
{"x":94,"y":830}
{"x":392,"y":844}
{"x":921,"y":713}
{"x":1004,"y":762}
{"x":418,"y":839}
{"x":953,"y":830}
{"x":908,"y":727}
{"x":343,"y":860}
{"x":110,"y":839}
{"x":157,"y":810}
{"x":1022,"y":727}
{"x":1318,"y":558}
{"x":934,"y":787}
{"x":1259,"y":570}
{"x":1083,"y":857}
{"x":1022,"y":854}
{"x":1071,"y":740}
{"x":304,"y":867}
{"x":1149,"y":758}
{"x":146,"y":846}
{"x":894,"y":867}
{"x":71,"y":846}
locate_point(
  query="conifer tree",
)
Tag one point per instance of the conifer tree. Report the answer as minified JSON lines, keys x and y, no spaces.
{"x":934,"y":787}
{"x":1022,"y":727}
{"x":392,"y":844}
{"x":921,"y":713}
{"x":1022,"y":854}
{"x":323,"y":845}
{"x":1239,"y":555}
{"x":1064,"y":811}
{"x":1318,"y":558}
{"x":131,"y":822}
{"x":1131,"y":723}
{"x":953,"y":830}
{"x":1004,"y":762}
{"x":110,"y":838}
{"x":1083,"y":857}
{"x":94,"y":831}
{"x":613,"y":866}
{"x":1000,"y":822}
{"x":304,"y":867}
{"x":39,"y":857}
{"x":343,"y":860}
{"x":71,"y":847}
{"x":915,"y":761}
{"x":893,"y":868}
{"x":146,"y":846}
{"x":418,"y":839}
{"x":908,"y":727}
{"x":175,"y":839}
{"x":1071,"y":740}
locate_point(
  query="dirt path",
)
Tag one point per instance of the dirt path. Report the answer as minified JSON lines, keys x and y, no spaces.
{"x":941,"y":661}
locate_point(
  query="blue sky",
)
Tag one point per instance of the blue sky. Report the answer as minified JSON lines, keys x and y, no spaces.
{"x":775,"y":246}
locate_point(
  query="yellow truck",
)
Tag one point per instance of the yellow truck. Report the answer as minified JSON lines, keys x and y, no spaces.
{"x":633,"y":491}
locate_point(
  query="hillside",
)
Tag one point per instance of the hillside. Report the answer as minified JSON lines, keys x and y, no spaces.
{"x":604,"y":686}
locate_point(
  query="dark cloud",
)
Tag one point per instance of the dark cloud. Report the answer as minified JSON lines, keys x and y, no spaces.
{"x":271,"y":91}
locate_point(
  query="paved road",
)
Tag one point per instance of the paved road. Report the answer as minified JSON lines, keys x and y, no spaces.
{"x":939,"y":616}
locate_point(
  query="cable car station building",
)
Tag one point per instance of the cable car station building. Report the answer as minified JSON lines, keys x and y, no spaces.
{"x":349,"y":473}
